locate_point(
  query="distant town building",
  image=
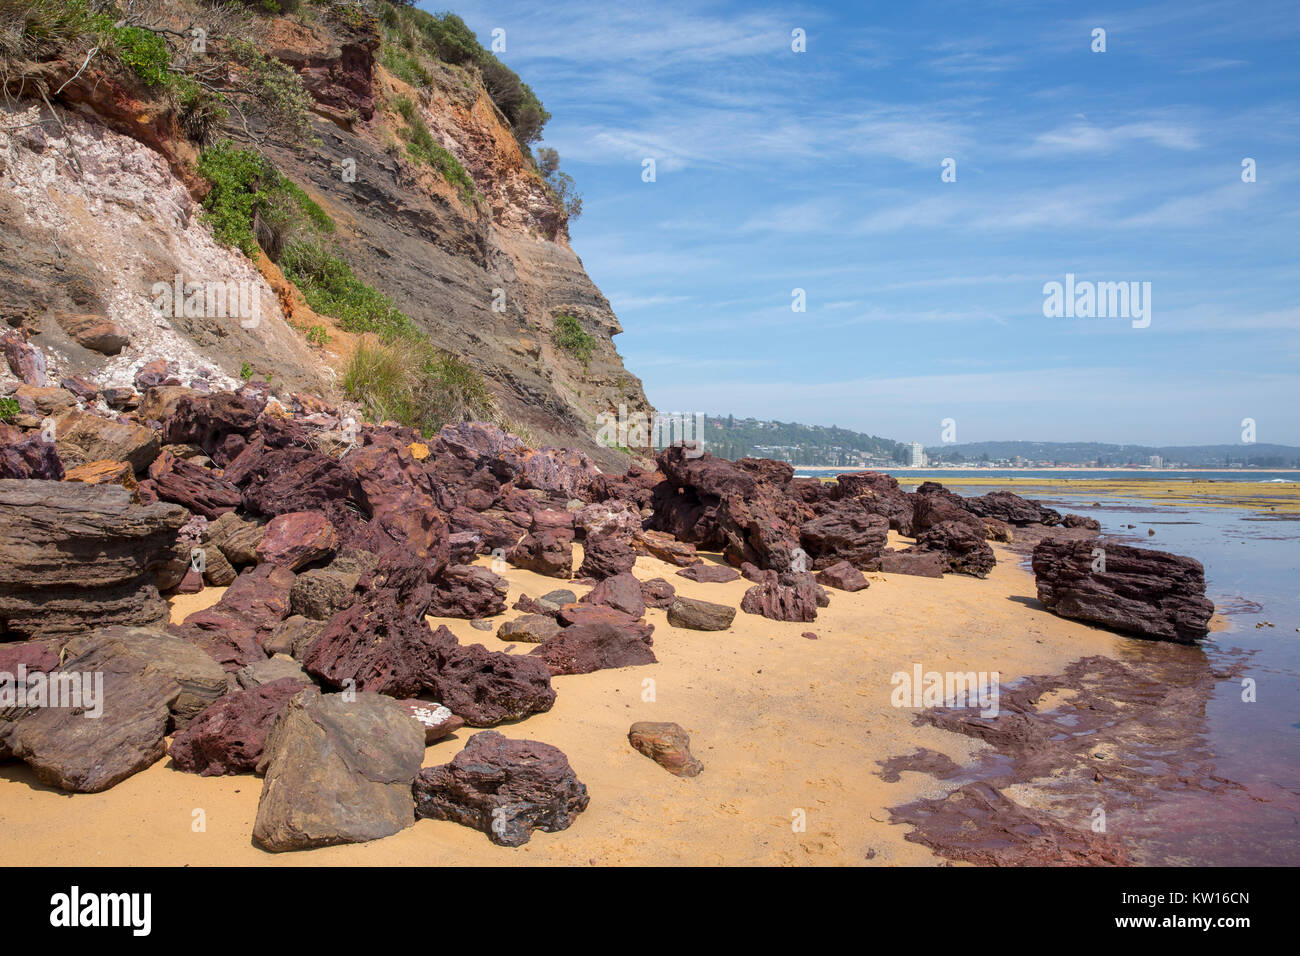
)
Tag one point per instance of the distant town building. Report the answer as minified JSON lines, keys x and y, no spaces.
{"x":1155,"y":461}
{"x":918,"y":455}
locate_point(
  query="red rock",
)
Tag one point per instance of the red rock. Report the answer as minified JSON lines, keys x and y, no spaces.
{"x":926,"y":564}
{"x":794,"y":601}
{"x":28,"y":456}
{"x":192,"y":583}
{"x":843,"y":576}
{"x":604,"y":556}
{"x":151,"y":374}
{"x":229,"y":736}
{"x":466,"y":591}
{"x":657,"y":593}
{"x":575,"y":614}
{"x":665,"y":547}
{"x":198,"y":489}
{"x":547,"y":551}
{"x":486,"y":688}
{"x":621,"y":592}
{"x":584,"y":648}
{"x":710,"y":573}
{"x":1148,"y":593}
{"x":962,"y":544}
{"x":25,"y":361}
{"x":879,"y":494}
{"x":847,"y":532}
{"x":505,"y":788}
{"x":297,"y":539}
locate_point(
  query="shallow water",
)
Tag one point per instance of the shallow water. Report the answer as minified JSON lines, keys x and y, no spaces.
{"x":1252,"y":570}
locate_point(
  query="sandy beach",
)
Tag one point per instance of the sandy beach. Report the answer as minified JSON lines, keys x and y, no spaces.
{"x":782,"y":724}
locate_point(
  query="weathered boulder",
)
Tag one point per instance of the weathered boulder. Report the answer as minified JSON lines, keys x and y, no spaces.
{"x":1143,"y":592}
{"x":710,"y":573}
{"x":657,"y":593}
{"x":82,"y":437}
{"x":558,"y":469}
{"x":337,"y":771}
{"x":605,"y":555}
{"x":505,"y":788}
{"x":468,"y":591}
{"x":76,"y":556}
{"x":792,"y":597}
{"x":621,"y":592}
{"x":237,"y":538}
{"x":700,"y":615}
{"x":1079,"y":521}
{"x":926,"y":564}
{"x":546,"y":551}
{"x":879,"y":494}
{"x":572,"y":615}
{"x":28,"y":456}
{"x":320,"y":593}
{"x":199,"y":489}
{"x":25,"y":361}
{"x":847,"y":532}
{"x":842,"y":576}
{"x":584,"y":648}
{"x":1011,"y":508}
{"x":485,"y":687}
{"x":270,"y":670}
{"x":142,"y":683}
{"x":103,"y":473}
{"x":296,"y":539}
{"x":230,"y":736}
{"x":529,"y":629}
{"x":614,"y":517}
{"x":934,"y":504}
{"x":667,"y":744}
{"x":95,"y":332}
{"x":665,"y":547}
{"x":293,"y":636}
{"x":963,"y":545}
{"x":234,"y":630}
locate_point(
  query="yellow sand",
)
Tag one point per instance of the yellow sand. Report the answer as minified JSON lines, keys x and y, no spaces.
{"x":782,"y":724}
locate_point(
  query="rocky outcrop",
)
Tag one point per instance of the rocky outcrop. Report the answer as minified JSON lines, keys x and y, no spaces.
{"x":1152,"y":594}
{"x":963,"y":546}
{"x":880,"y":495}
{"x":1011,"y":508}
{"x":846,"y":532}
{"x":793,"y":596}
{"x":504,"y":788}
{"x":337,"y":770}
{"x":76,"y":556}
{"x":466,"y":591}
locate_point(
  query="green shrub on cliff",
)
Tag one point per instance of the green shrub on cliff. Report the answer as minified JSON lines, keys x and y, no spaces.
{"x":414,"y":383}
{"x":331,"y":288}
{"x":570,"y":336}
{"x":251,"y":203}
{"x":422,"y":148}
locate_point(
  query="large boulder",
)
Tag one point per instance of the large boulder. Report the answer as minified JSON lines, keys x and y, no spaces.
{"x":879,"y":494}
{"x":234,"y":631}
{"x":487,"y":687}
{"x":504,"y":788}
{"x":914,"y":561}
{"x":790,"y":597}
{"x":604,"y":555}
{"x":468,"y":591}
{"x":296,"y":539}
{"x":82,"y":437}
{"x":529,"y":629}
{"x":339,"y":769}
{"x":698,"y":615}
{"x":230,"y":736}
{"x":614,"y":517}
{"x":584,"y":648}
{"x":1147,"y":593}
{"x":547,"y":551}
{"x":199,"y":489}
{"x":109,"y":708}
{"x":76,"y":556}
{"x":621,"y":592}
{"x":847,"y":532}
{"x":934,"y":504}
{"x":843,"y":577}
{"x":963,"y":546}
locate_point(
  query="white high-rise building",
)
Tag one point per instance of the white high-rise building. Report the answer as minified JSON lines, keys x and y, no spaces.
{"x":1155,"y":461}
{"x":918,"y":455}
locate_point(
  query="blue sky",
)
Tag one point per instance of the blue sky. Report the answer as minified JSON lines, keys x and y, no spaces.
{"x":821,"y":170}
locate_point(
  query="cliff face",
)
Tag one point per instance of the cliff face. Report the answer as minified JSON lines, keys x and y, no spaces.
{"x":95,"y":211}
